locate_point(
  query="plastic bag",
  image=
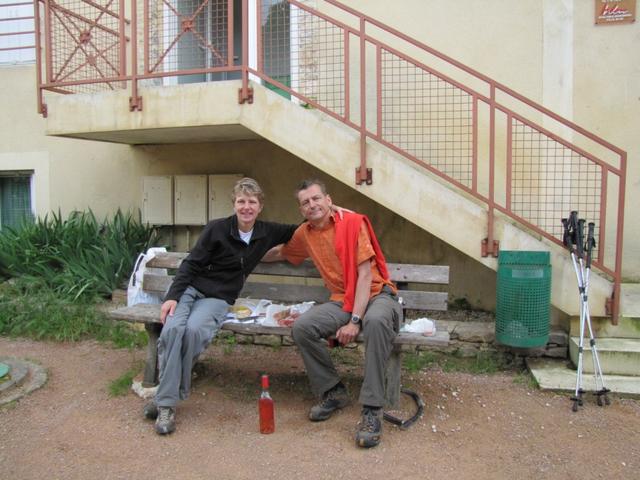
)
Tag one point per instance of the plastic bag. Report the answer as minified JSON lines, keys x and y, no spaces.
{"x":424,"y":326}
{"x":135,"y":292}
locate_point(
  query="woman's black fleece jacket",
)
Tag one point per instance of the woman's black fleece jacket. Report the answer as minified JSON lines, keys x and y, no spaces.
{"x":220,"y":262}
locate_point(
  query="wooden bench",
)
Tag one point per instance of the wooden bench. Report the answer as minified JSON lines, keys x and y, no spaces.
{"x":281,"y":283}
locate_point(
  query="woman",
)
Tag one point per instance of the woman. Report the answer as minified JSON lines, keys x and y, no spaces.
{"x":207,"y":283}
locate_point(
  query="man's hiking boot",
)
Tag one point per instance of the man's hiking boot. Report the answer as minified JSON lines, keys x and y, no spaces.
{"x":150,"y":410}
{"x":370,"y":428}
{"x":332,"y":400}
{"x":166,"y":421}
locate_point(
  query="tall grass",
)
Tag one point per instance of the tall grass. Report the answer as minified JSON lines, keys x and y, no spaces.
{"x":28,"y":310}
{"x":79,"y":257}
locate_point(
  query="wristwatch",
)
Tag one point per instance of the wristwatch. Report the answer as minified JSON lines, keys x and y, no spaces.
{"x":355,"y":319}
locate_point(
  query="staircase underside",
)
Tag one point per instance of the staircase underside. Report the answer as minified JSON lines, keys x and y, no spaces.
{"x":210,"y":112}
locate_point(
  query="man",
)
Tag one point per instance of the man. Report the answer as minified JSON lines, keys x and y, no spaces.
{"x":348,"y":257}
{"x":206,"y":284}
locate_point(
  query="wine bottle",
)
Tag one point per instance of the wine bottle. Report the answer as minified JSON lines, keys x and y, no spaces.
{"x":265,"y":408}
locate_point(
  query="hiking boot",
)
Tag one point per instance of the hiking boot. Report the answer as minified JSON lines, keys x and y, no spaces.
{"x":370,"y":428}
{"x":166,"y":421}
{"x":150,"y":411}
{"x":332,"y":400}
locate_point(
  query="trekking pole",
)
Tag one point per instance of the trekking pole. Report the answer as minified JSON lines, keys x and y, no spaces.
{"x":570,"y":240}
{"x":597,"y":368}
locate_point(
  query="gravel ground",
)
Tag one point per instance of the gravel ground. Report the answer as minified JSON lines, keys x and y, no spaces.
{"x":474,"y":426}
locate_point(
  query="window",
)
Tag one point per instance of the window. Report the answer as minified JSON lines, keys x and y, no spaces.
{"x":17,"y":38}
{"x":15,"y":198}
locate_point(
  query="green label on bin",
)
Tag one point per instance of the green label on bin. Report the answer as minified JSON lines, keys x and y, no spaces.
{"x":538,"y":273}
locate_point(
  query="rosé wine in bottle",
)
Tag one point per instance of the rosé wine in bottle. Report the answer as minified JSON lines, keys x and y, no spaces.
{"x":265,"y":408}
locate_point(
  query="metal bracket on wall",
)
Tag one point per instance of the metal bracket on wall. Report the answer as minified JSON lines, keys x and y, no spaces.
{"x":135,"y":104}
{"x":248,"y":98}
{"x":364,"y":177}
{"x":610,"y":309}
{"x":487,"y":249}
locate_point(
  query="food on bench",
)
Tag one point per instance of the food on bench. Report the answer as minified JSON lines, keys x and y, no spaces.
{"x":240,"y":311}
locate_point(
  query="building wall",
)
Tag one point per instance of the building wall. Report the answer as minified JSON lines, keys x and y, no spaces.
{"x":68,"y":174}
{"x":549,"y":51}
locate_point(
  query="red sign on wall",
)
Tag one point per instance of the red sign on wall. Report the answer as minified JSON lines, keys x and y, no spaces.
{"x":615,"y":12}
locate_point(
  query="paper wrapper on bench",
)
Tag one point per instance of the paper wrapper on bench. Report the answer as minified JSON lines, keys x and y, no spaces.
{"x":424,"y":326}
{"x":285,"y":315}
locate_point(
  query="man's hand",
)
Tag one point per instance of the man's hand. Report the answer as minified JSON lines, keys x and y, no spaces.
{"x":167,"y":308}
{"x":274,"y":255}
{"x":348,"y":333}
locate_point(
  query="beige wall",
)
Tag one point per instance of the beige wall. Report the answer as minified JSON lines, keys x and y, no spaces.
{"x":68,"y":174}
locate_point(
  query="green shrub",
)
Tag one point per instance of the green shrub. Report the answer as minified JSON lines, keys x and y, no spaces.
{"x":40,"y":313}
{"x":76,"y":258}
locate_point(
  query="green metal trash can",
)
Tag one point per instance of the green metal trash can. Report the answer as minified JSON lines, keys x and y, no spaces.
{"x":523,"y":305}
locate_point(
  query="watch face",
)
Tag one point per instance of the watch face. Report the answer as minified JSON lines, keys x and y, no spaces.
{"x":355,"y":319}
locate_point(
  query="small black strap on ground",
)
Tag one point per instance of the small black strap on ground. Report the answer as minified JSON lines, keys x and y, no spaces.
{"x":405,"y":424}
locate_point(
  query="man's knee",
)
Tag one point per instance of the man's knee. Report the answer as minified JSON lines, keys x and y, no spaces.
{"x":301,"y":330}
{"x":376,"y":322}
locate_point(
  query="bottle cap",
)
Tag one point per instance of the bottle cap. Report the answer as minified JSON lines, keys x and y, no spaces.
{"x":265,"y":381}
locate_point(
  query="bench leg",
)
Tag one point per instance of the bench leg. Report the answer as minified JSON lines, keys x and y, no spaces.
{"x":151,"y":367}
{"x":392,"y":391}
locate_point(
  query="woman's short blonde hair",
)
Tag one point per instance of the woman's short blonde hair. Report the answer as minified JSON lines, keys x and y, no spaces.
{"x":247,"y":186}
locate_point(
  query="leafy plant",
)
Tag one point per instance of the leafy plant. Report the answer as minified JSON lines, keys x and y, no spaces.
{"x":76,"y":258}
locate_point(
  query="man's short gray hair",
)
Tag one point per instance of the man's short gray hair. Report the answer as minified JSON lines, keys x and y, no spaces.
{"x":309,"y":182}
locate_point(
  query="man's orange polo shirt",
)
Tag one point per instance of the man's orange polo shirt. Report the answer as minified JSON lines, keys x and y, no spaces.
{"x":319,"y":244}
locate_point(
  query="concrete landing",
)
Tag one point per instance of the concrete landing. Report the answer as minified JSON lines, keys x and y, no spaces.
{"x":618,"y":356}
{"x":552,"y":374}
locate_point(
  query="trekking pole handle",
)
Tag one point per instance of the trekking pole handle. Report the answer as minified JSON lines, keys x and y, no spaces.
{"x":566,"y":237}
{"x":591,"y":242}
{"x":580,"y":238}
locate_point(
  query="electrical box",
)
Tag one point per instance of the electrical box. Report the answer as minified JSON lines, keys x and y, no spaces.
{"x":157,"y":200}
{"x":220,"y":190}
{"x":190,"y":199}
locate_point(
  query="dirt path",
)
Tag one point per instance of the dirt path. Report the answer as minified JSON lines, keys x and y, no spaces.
{"x":473,"y":427}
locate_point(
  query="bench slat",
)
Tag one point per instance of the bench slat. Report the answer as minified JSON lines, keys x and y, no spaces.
{"x":284,"y":292}
{"x":399,"y":272}
{"x":144,"y":313}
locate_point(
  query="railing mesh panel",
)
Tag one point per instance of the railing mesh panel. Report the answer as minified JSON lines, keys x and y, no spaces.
{"x":549,"y":180}
{"x":186,"y":35}
{"x":304,"y":52}
{"x":85,"y":44}
{"x":427,"y":117}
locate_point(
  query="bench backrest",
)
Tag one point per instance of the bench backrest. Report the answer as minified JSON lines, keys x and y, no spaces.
{"x":277,"y":282}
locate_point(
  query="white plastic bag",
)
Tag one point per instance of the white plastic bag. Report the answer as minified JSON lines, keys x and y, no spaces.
{"x":424,"y":326}
{"x":135,"y":293}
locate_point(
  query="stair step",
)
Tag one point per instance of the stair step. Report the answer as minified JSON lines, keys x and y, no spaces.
{"x":618,"y":356}
{"x":552,"y":374}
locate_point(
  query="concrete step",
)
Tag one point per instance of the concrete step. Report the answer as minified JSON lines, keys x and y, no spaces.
{"x":618,"y":356}
{"x":557,"y":375}
{"x":628,"y":327}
